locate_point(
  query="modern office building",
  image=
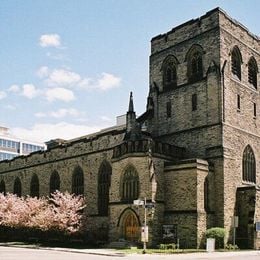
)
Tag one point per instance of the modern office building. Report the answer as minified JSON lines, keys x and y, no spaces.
{"x":11,"y":146}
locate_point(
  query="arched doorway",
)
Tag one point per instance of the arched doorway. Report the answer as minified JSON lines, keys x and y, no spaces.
{"x":130,"y":227}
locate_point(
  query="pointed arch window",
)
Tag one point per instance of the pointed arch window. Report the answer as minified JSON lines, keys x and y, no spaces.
{"x":252,"y":72}
{"x":104,"y":181}
{"x":18,"y":187}
{"x":54,"y":182}
{"x":169,"y":69}
{"x":34,"y":186}
{"x":170,"y":76}
{"x":130,"y":185}
{"x":236,"y":60}
{"x":195,"y":63}
{"x":78,"y":181}
{"x":2,"y":187}
{"x":249,"y":165}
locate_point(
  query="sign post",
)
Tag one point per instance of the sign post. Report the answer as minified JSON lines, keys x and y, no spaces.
{"x":144,"y":234}
{"x":144,"y":228}
{"x":234,"y":225}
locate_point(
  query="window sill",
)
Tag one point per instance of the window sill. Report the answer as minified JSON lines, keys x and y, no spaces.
{"x":235,"y":77}
{"x":250,"y":86}
{"x":248,"y":183}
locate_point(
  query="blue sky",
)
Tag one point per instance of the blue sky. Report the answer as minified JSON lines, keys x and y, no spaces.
{"x":67,"y":67}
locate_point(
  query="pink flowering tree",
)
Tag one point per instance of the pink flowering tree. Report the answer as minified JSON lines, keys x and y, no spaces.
{"x":67,"y":210}
{"x":13,"y":211}
{"x":62,"y":211}
{"x":40,"y":213}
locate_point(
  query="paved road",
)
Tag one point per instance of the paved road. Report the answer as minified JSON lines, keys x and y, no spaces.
{"x":11,"y":253}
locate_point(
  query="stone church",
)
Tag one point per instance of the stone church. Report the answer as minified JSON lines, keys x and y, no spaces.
{"x":193,"y":155}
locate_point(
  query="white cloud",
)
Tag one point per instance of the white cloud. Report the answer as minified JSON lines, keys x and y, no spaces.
{"x":29,"y":91}
{"x":105,"y":82}
{"x":46,"y":132}
{"x":2,"y":95}
{"x":68,"y":78}
{"x":50,"y":40}
{"x":40,"y":114}
{"x":108,"y":81}
{"x":63,"y":112}
{"x":59,"y":94}
{"x":43,"y":72}
{"x":62,"y":77}
{"x":86,"y":83}
{"x":51,"y":94}
{"x":14,"y":88}
{"x":60,"y":113}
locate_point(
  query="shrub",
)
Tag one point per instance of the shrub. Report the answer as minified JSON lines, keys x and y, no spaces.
{"x":162,"y":246}
{"x":167,"y":246}
{"x":219,"y":235}
{"x":231,"y":247}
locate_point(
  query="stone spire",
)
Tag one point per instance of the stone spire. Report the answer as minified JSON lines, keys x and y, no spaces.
{"x":131,"y":103}
{"x":132,"y":130}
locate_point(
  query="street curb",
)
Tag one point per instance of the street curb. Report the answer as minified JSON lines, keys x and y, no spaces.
{"x":119,"y":254}
{"x":65,"y":250}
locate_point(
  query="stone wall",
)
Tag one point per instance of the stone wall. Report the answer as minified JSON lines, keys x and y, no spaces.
{"x":240,"y":128}
{"x":186,"y":208}
{"x":118,"y":207}
{"x":88,"y":154}
{"x":204,"y":32}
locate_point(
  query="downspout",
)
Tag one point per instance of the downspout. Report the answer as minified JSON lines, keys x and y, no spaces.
{"x":223,"y":90}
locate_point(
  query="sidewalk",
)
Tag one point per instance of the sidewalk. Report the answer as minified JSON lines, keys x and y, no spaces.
{"x":105,"y":252}
{"x":115,"y":253}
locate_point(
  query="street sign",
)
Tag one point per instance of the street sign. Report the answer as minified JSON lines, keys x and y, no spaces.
{"x":144,"y":233}
{"x":169,"y":233}
{"x":235,"y":221}
{"x":257,"y":226}
{"x":138,"y":202}
{"x":149,"y":205}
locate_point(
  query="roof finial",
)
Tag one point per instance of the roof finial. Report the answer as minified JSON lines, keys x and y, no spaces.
{"x":131,"y":103}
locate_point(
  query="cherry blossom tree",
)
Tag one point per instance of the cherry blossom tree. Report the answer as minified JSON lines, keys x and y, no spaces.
{"x":13,"y":211}
{"x":61,"y":211}
{"x":68,"y":209}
